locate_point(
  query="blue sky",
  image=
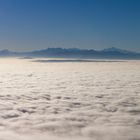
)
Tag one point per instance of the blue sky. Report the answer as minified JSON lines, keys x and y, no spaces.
{"x":92,"y":24}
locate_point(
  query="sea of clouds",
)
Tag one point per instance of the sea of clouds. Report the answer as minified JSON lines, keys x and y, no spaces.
{"x":81,"y":101}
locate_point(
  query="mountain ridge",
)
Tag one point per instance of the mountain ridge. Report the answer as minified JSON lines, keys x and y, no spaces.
{"x":109,"y":53}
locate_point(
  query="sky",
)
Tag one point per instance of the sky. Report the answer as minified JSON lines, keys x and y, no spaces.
{"x":86,"y":24}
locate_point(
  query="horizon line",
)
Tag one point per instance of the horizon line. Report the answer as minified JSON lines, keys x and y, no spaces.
{"x":71,"y":48}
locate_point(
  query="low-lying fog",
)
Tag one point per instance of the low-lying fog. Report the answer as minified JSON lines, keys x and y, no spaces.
{"x":64,"y":101}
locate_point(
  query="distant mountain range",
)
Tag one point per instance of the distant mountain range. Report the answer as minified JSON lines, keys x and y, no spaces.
{"x":110,"y":53}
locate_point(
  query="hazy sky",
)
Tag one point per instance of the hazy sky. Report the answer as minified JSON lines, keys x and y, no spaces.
{"x":96,"y":24}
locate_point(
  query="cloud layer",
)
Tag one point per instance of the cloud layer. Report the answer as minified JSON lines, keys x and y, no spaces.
{"x":42,"y":101}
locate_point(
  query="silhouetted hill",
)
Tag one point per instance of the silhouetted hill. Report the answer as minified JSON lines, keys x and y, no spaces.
{"x":110,"y":53}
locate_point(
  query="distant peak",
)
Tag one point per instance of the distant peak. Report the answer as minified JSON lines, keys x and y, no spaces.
{"x":114,"y":49}
{"x":4,"y":50}
{"x":111,"y":49}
